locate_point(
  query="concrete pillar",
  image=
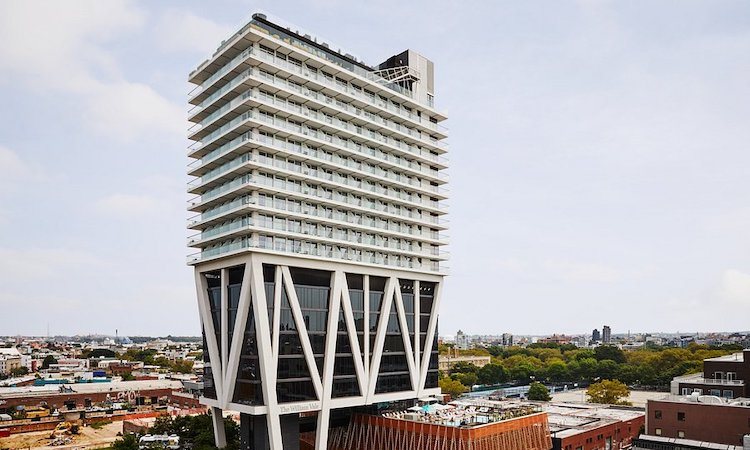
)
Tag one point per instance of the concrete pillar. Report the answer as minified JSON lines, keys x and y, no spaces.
{"x":290,"y":431}
{"x":220,"y":436}
{"x":253,"y":433}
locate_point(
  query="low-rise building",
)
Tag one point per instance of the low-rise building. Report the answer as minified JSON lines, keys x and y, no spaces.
{"x":699,"y":417}
{"x":446,"y":362}
{"x":591,"y":427}
{"x":470,"y":424}
{"x":725,"y":376}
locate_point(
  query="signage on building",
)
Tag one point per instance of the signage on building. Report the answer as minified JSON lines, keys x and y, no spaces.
{"x":299,"y":407}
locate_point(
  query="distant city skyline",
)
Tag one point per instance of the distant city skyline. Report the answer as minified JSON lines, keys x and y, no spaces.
{"x":598,"y":159}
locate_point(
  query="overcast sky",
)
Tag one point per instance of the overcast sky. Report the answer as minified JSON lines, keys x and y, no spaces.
{"x":599,"y":158}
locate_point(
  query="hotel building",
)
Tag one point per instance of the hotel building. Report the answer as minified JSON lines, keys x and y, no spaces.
{"x":319,"y":186}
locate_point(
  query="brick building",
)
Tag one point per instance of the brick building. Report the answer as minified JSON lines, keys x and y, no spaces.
{"x":387,"y":433}
{"x":75,"y":396}
{"x":724,"y":376}
{"x":590,"y":427}
{"x":699,"y":418}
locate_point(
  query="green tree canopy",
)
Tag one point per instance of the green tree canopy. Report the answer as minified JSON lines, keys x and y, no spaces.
{"x":610,"y":392}
{"x":492,"y":374}
{"x":127,"y":442}
{"x":49,"y":359}
{"x":452,"y":387}
{"x":539,"y":392}
{"x":609,"y":352}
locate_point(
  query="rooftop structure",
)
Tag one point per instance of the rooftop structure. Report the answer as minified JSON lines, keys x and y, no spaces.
{"x":319,"y":184}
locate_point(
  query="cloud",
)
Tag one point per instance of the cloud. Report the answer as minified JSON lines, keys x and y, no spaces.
{"x":60,"y":47}
{"x":13,"y":168}
{"x":13,"y":172}
{"x":587,"y":272}
{"x":734,"y":288}
{"x":127,"y":205}
{"x":183,"y":31}
{"x":128,"y":109}
{"x":41,"y":264}
{"x":561,"y":270}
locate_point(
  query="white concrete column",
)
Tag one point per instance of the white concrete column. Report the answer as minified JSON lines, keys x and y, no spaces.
{"x":220,"y":437}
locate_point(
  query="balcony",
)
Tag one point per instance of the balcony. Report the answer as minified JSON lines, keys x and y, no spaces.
{"x":698,"y":378}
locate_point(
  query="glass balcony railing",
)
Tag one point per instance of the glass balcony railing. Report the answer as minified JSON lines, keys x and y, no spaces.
{"x":294,"y":246}
{"x":312,"y":74}
{"x":219,"y":210}
{"x":223,"y":70}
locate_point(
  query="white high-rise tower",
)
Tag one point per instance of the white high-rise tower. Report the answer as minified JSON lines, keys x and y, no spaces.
{"x":319,"y":184}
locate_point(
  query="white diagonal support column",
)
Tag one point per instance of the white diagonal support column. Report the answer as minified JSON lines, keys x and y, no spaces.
{"x":321,"y":436}
{"x":268,"y":363}
{"x":201,"y":287}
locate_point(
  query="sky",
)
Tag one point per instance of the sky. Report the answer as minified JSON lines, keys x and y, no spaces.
{"x":600,"y":170}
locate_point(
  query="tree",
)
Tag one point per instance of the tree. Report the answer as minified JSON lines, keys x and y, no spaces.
{"x":492,"y":374}
{"x":127,"y":442}
{"x":539,"y":392}
{"x":607,"y":369}
{"x":467,"y":379}
{"x":452,"y":387}
{"x":101,"y":353}
{"x":609,"y":352}
{"x":19,"y":371}
{"x":557,"y":370}
{"x":610,"y":392}
{"x":197,"y":430}
{"x":128,"y":376}
{"x":49,"y":359}
{"x":588,"y":367}
{"x":464,"y":367}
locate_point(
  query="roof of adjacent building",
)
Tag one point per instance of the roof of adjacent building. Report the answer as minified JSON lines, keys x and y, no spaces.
{"x":89,"y":388}
{"x":9,"y":351}
{"x":568,"y":419}
{"x":734,"y":357}
{"x":685,"y":443}
{"x":712,"y":400}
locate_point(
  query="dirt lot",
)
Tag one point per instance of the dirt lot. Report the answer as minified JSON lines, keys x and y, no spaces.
{"x":88,"y":438}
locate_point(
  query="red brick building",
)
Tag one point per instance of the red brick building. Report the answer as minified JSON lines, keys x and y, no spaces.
{"x":689,"y":418}
{"x":592,"y":427}
{"x":383,"y":433}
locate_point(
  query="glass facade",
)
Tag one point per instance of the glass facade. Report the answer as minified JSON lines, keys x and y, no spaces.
{"x":248,"y":390}
{"x":426,"y":300}
{"x":394,"y":370}
{"x":313,"y":291}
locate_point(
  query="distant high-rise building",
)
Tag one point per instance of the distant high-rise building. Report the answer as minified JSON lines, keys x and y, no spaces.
{"x":606,"y":335}
{"x":507,"y":339}
{"x":462,"y":341}
{"x":595,"y":336}
{"x":319,"y":183}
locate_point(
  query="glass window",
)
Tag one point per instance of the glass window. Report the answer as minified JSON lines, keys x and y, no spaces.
{"x":681,"y":416}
